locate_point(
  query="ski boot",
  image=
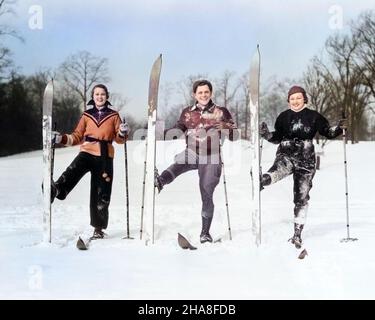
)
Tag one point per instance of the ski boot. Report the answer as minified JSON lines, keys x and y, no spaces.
{"x":98,"y":234}
{"x":54,"y":190}
{"x":205,"y":235}
{"x":296,"y":239}
{"x":158,"y":184}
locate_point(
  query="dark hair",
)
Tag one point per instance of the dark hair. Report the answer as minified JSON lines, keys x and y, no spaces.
{"x":200,"y":83}
{"x":102,"y":86}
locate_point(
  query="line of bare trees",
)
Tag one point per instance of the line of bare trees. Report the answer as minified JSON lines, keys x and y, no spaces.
{"x":340,"y":82}
{"x":21,"y":97}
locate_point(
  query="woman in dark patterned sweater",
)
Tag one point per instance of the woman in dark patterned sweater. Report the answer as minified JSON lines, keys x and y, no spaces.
{"x":295,"y":129}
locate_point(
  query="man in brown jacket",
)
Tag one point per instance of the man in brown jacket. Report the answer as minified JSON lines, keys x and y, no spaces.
{"x":203,"y":124}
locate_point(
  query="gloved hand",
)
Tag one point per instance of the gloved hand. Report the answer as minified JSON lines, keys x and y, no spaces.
{"x":343,"y":123}
{"x":124,"y":129}
{"x":56,"y":137}
{"x":264,"y":132}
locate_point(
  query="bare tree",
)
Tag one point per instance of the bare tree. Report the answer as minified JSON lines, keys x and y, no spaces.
{"x":225,"y":91}
{"x":243,"y":83}
{"x":350,"y":96}
{"x":166,"y":90}
{"x":315,"y":82}
{"x":274,"y":99}
{"x":118,"y":102}
{"x":364,"y":31}
{"x":5,"y":54}
{"x":81,"y":71}
{"x":171,"y":115}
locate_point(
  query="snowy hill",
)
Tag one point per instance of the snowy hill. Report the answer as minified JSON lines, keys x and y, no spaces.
{"x":115,"y":268}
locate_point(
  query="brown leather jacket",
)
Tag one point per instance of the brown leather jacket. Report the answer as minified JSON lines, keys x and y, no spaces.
{"x":199,"y":127}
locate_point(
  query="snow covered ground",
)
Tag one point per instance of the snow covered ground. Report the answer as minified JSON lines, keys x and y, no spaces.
{"x":117,"y":268}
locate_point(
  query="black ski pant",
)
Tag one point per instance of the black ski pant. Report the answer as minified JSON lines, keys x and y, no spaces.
{"x":209,"y":172}
{"x":101,"y":188}
{"x":299,"y":160}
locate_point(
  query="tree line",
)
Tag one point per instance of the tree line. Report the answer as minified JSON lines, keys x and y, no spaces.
{"x":340,"y":81}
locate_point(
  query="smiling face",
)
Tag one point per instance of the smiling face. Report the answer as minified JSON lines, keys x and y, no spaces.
{"x":100,"y":97}
{"x":203,"y":95}
{"x":296,"y":101}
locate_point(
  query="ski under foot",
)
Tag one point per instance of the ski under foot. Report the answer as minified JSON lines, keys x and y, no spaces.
{"x":302,"y":254}
{"x":82,"y":245}
{"x":302,"y":251}
{"x":185,"y":244}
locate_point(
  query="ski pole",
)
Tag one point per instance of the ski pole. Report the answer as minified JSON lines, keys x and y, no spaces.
{"x":53,"y":149}
{"x":347,"y":239}
{"x":226,"y":194}
{"x":52,"y":168}
{"x":143,"y":193}
{"x":126,"y":189}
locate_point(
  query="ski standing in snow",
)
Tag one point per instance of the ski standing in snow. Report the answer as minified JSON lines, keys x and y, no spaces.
{"x":203,"y":124}
{"x":295,"y":129}
{"x":48,"y":145}
{"x":148,"y":194}
{"x":255,"y":147}
{"x":97,"y":128}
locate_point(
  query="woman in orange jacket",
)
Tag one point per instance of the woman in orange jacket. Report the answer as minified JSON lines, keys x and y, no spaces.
{"x":97,"y":128}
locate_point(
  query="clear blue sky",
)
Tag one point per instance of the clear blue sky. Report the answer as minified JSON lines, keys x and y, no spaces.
{"x":194,"y":36}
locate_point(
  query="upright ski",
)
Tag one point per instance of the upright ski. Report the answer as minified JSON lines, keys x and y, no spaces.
{"x":47,"y":161}
{"x":149,"y":190}
{"x":255,"y":170}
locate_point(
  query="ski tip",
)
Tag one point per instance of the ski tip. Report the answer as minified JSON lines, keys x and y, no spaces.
{"x":303,"y":254}
{"x":81,"y":244}
{"x":184,"y":243}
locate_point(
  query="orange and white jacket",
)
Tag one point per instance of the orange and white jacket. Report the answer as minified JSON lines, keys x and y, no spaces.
{"x":96,"y":124}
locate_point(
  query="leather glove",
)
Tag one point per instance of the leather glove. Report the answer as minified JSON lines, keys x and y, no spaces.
{"x":264,"y":132}
{"x":124,"y":129}
{"x":56,"y":137}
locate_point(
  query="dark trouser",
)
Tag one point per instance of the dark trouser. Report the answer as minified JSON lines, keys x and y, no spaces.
{"x":209,"y":171}
{"x":299,"y":161}
{"x":100,"y":192}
